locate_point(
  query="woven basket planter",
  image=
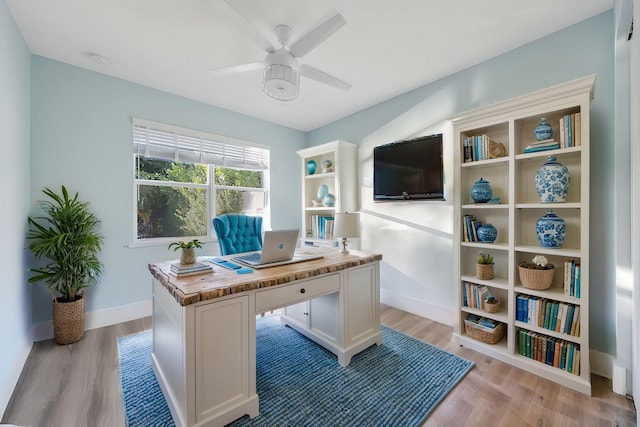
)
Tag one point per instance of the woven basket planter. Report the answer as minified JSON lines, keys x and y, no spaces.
{"x":484,"y":271}
{"x":491,"y":308}
{"x":532,"y":278}
{"x":68,"y":321}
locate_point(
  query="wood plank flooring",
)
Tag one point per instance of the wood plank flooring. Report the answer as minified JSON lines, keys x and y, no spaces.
{"x":79,"y":385}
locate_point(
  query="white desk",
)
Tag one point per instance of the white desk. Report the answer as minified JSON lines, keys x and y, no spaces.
{"x":204,"y":331}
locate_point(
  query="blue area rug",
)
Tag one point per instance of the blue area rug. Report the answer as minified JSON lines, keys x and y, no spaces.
{"x":301,"y":384}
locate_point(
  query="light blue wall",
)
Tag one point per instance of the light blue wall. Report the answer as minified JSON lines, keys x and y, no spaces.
{"x":82,"y":138}
{"x":15,"y":304}
{"x":415,"y":238}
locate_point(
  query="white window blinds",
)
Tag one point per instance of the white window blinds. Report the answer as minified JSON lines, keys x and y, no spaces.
{"x":162,"y":141}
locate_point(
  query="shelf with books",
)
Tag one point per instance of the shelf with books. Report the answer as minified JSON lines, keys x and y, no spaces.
{"x":555,"y":318}
{"x":512,"y":179}
{"x":553,"y":353}
{"x":335,"y":173}
{"x":564,"y":136}
{"x":486,"y":143}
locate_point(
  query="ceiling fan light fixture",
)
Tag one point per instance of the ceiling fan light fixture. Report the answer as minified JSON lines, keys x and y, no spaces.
{"x":281,"y":82}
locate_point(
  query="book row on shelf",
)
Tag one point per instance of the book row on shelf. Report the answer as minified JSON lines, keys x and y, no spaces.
{"x":548,"y":350}
{"x":322,"y":226}
{"x":570,"y":130}
{"x":572,"y":273}
{"x":476,"y":148}
{"x":543,"y":145}
{"x":473,"y":294}
{"x":548,"y":314}
{"x":181,"y":270}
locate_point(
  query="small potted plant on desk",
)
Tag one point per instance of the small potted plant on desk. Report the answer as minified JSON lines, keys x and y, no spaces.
{"x":188,"y":255}
{"x":484,"y":266}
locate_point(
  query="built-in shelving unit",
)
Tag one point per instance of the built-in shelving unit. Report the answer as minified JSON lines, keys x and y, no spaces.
{"x":512,"y":123}
{"x":341,"y":182}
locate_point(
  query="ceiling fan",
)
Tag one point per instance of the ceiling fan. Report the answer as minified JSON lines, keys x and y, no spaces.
{"x":281,"y":71}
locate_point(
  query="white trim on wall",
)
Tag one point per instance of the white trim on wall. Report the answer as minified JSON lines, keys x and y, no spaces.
{"x":98,"y":319}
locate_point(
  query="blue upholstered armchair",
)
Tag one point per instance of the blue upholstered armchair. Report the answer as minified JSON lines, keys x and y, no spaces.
{"x":238,"y":233}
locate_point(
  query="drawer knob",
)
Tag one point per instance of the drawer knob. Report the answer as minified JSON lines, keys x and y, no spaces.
{"x":302,"y":291}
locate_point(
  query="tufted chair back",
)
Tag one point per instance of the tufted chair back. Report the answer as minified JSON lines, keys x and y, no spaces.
{"x":238,"y":233}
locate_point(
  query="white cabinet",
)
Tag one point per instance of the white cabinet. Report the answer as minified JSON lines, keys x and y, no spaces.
{"x":343,"y":322}
{"x":512,"y":179}
{"x":339,"y":180}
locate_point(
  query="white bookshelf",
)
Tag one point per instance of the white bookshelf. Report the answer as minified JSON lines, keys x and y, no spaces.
{"x":341,"y":182}
{"x":511,"y":177}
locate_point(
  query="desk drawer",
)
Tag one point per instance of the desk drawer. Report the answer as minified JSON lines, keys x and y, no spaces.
{"x":282,"y":296}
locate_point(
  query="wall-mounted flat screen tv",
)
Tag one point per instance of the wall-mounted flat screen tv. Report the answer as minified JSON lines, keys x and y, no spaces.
{"x":409,"y":170}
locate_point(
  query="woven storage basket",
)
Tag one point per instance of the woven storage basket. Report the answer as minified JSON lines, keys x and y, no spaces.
{"x":484,"y":271}
{"x":491,"y":308}
{"x":536,"y":279}
{"x":484,"y":334}
{"x":68,"y":321}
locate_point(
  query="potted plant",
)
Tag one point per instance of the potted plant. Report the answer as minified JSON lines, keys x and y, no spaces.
{"x":537,"y":274}
{"x":67,"y":237}
{"x":188,"y":255}
{"x":491,"y":304}
{"x":484,"y":266}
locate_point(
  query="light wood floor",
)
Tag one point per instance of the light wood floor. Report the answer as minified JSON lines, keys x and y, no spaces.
{"x":79,"y":385}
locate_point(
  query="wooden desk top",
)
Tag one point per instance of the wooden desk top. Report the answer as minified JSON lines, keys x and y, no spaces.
{"x":221,"y":282}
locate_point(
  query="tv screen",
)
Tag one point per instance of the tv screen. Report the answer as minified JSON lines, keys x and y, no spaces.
{"x":409,"y":170}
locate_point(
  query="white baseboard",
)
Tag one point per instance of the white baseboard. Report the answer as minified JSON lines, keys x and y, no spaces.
{"x":418,"y":307}
{"x":98,"y":319}
{"x":14,"y":374}
{"x":601,"y":363}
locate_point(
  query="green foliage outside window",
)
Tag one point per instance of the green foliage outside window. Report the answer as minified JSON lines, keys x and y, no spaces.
{"x":230,"y":201}
{"x":181,"y":211}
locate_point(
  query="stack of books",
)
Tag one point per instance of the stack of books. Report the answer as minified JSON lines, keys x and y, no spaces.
{"x":181,"y":270}
{"x":545,"y":144}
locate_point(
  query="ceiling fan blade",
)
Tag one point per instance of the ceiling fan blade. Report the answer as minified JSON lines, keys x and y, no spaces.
{"x":249,"y":29}
{"x":240,"y":68}
{"x":322,"y":77}
{"x":317,"y":35}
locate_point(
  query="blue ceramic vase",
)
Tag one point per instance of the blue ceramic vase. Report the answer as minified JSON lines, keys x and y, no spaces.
{"x":329,"y":200}
{"x":552,"y":181}
{"x":551,"y":230}
{"x":323,"y":190}
{"x":311,"y":167}
{"x":543,"y":130}
{"x":487,"y":233}
{"x":481,"y":191}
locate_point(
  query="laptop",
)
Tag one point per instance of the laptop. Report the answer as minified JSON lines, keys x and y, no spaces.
{"x":278,"y":248}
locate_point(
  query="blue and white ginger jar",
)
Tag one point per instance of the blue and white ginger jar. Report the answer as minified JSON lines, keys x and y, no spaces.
{"x":487,"y":233}
{"x":544,"y":130}
{"x":481,"y":191}
{"x":551,"y":230}
{"x":552,"y":181}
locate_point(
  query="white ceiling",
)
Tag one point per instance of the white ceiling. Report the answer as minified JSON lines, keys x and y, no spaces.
{"x":386,"y":48}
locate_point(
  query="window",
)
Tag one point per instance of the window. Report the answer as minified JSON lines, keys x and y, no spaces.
{"x":183,"y":178}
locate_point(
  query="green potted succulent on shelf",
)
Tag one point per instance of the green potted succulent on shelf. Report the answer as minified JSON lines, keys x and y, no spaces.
{"x":67,"y":237}
{"x":484,"y":266}
{"x":188,"y":255}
